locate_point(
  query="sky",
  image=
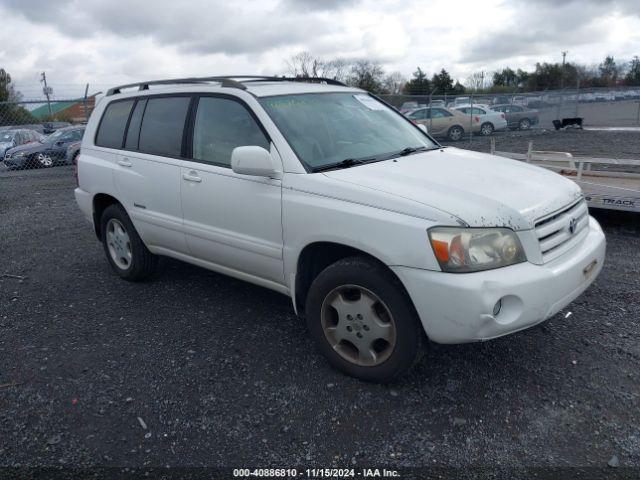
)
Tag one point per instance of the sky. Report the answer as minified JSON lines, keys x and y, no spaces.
{"x":105,"y":43}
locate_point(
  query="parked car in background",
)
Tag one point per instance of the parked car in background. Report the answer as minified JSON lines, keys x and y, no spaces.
{"x":488,"y":121}
{"x":49,"y":151}
{"x":12,"y":138}
{"x":441,"y":122}
{"x":411,"y":105}
{"x":437,"y":103}
{"x":50,"y":127}
{"x":518,"y":117}
{"x":459,"y":101}
{"x":35,"y":127}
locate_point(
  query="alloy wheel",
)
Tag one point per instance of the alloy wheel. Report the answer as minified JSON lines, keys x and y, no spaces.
{"x":44,"y":160}
{"x":119,"y":244}
{"x":358,"y":325}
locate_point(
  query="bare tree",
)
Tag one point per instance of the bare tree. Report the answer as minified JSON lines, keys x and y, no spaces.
{"x":303,"y":64}
{"x":394,"y":83}
{"x":336,"y":69}
{"x":475,"y":81}
{"x":366,"y":75}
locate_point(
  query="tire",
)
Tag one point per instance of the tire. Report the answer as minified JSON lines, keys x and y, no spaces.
{"x":377,"y":336}
{"x":486,"y":129}
{"x":524,"y":124}
{"x":44,"y":160}
{"x":455,"y":133}
{"x":126,"y":253}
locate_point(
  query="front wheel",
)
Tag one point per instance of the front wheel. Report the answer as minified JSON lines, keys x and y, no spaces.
{"x":125,"y":251}
{"x":455,"y":133}
{"x":363,"y":321}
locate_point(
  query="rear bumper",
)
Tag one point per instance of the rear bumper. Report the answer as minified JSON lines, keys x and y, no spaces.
{"x":458,"y":308}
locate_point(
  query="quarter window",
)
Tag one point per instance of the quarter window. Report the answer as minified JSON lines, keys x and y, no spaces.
{"x":162,"y":126}
{"x":114,"y":121}
{"x":133,"y":133}
{"x":220,"y":126}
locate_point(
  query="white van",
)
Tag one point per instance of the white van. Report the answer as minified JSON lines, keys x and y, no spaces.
{"x":382,"y":237}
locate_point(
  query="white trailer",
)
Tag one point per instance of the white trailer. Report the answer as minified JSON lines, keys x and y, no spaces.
{"x":614,"y":184}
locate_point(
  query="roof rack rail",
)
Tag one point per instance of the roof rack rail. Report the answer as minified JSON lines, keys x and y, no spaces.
{"x":232,"y":81}
{"x":328,"y":81}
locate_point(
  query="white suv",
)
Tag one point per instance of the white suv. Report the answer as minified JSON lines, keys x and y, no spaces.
{"x":328,"y":195}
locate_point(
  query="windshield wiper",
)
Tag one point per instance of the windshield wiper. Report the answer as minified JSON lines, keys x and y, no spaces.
{"x":346,"y":163}
{"x":409,"y":150}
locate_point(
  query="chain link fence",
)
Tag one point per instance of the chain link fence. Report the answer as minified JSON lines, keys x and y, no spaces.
{"x":594,"y":107}
{"x":40,"y":133}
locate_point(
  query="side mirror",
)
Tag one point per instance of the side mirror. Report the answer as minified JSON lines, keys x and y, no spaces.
{"x":423,"y":127}
{"x":253,"y":160}
{"x":59,"y":143}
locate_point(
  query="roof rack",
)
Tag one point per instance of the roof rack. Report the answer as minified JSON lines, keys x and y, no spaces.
{"x":232,"y":81}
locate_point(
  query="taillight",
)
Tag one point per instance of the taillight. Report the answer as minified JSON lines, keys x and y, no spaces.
{"x":502,"y":115}
{"x":414,"y":122}
{"x":477,"y":119}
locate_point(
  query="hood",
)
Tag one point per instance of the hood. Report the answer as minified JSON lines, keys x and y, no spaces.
{"x":481,"y":190}
{"x":28,"y":147}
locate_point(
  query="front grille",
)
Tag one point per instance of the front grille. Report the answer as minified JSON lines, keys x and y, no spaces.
{"x":557,"y":233}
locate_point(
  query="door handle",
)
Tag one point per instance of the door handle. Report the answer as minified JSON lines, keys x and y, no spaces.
{"x":191,"y":177}
{"x":125,"y":162}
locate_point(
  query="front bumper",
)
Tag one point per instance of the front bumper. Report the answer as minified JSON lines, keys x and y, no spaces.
{"x":15,"y":162}
{"x":458,"y":308}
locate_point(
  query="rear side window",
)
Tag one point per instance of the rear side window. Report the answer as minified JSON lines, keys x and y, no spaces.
{"x":222,"y":125}
{"x":114,"y":121}
{"x":162,"y":126}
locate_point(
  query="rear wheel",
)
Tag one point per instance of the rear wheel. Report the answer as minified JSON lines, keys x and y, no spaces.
{"x":486,"y":129}
{"x":524,"y":124}
{"x":363,"y":321}
{"x":455,"y":133}
{"x":125,"y":251}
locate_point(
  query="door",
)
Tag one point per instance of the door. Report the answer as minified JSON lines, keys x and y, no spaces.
{"x":231,"y":220}
{"x":146,"y":165}
{"x":441,"y":121}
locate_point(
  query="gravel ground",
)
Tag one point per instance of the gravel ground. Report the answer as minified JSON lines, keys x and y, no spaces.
{"x":197,"y":369}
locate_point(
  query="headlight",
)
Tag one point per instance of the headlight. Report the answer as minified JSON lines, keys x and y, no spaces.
{"x":19,"y":154}
{"x":462,"y":250}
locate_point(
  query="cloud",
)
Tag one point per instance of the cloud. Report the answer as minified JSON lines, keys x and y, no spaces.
{"x":103,"y":42}
{"x":318,"y":5}
{"x":543,"y":26}
{"x":200,"y":26}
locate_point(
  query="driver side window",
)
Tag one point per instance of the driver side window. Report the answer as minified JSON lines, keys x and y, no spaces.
{"x":220,"y":126}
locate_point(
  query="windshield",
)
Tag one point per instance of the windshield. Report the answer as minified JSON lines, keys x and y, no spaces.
{"x":6,"y":137}
{"x":54,"y":137}
{"x":326,"y":128}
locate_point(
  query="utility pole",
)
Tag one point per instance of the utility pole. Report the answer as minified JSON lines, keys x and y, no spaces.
{"x":564,"y":57}
{"x":47,"y":91}
{"x":481,"y":80}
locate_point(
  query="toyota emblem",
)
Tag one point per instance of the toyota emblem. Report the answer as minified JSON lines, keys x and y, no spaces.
{"x":572,"y":225}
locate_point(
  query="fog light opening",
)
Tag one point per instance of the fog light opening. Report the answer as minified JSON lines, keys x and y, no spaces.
{"x":497,"y":307}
